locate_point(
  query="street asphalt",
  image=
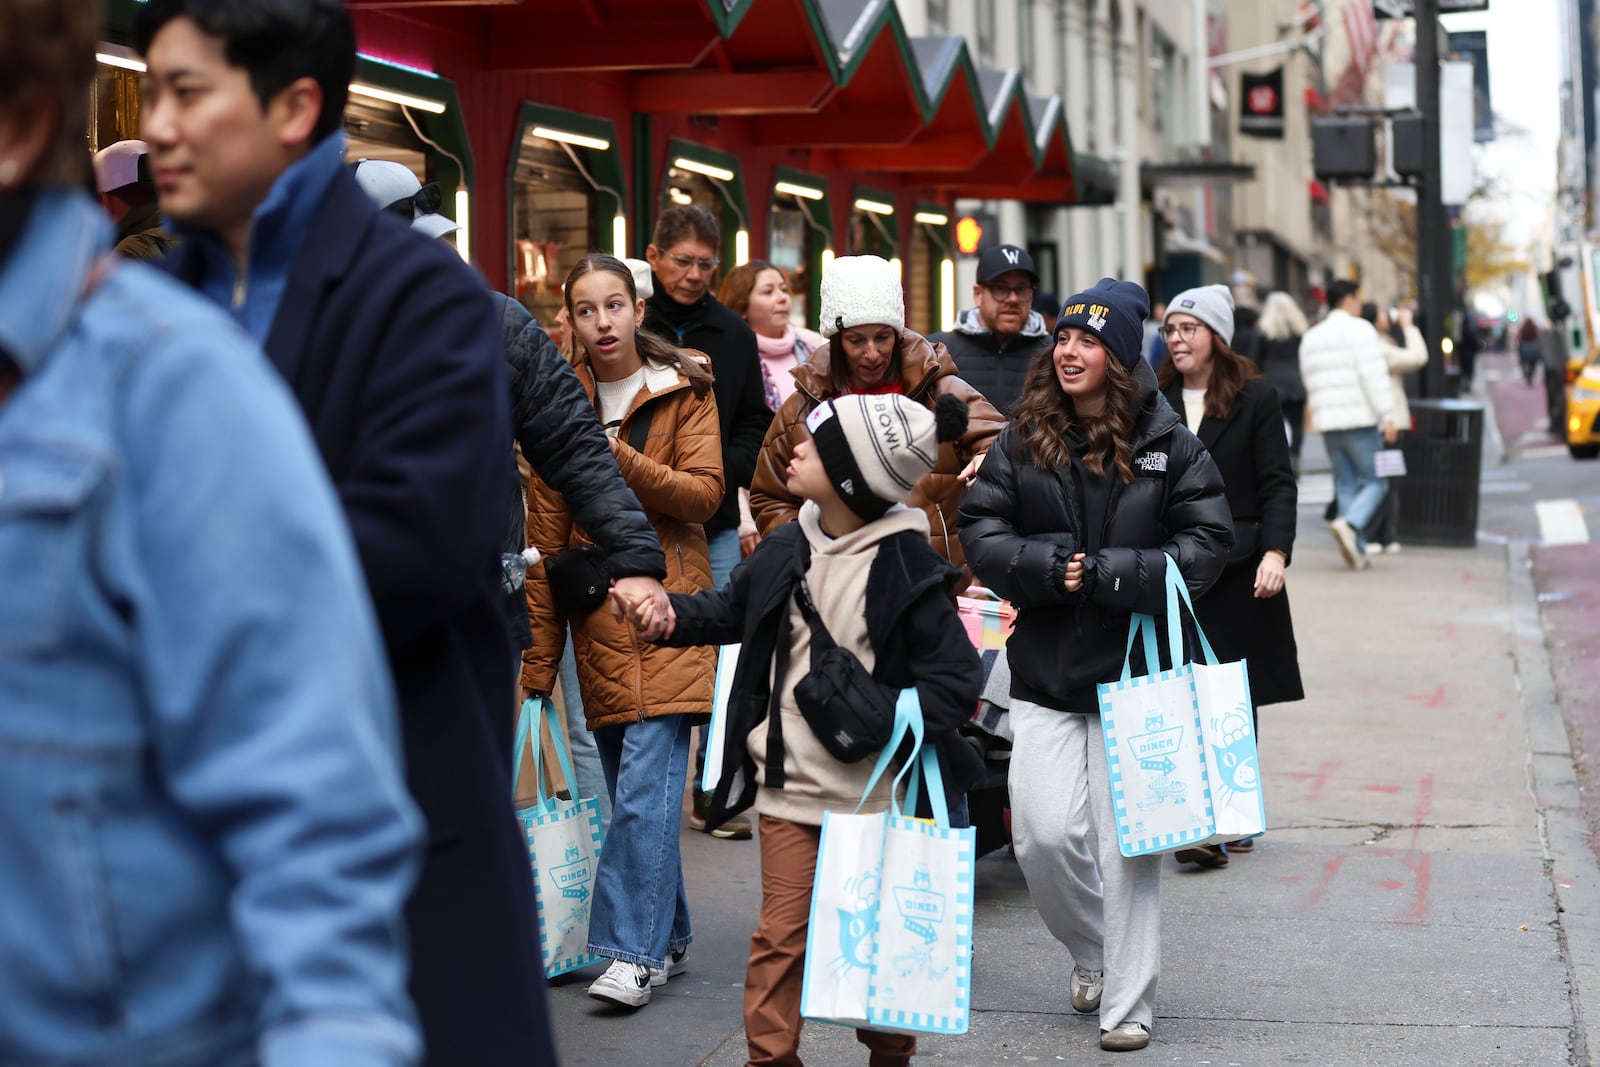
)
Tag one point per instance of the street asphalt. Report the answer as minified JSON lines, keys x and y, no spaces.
{"x":1425,"y":894}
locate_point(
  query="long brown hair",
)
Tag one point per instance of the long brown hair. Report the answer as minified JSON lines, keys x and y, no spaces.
{"x":47,"y":63}
{"x":1229,"y":372}
{"x":1045,"y":414}
{"x":652,"y":348}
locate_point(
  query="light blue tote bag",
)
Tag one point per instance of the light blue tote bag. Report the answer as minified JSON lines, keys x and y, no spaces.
{"x":1180,"y":744}
{"x":564,"y":841}
{"x":889,"y":944}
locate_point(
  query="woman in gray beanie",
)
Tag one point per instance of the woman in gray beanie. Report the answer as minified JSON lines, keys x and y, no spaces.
{"x":1087,"y":497}
{"x":1236,"y":415}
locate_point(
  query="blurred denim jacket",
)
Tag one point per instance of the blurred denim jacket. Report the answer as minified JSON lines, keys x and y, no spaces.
{"x":204,"y":828}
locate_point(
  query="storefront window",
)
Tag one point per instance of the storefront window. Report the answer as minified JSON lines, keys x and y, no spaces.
{"x":114,"y":98}
{"x":930,"y":287}
{"x":710,"y":178}
{"x":872,"y":225}
{"x":553,"y":224}
{"x":797,"y":234}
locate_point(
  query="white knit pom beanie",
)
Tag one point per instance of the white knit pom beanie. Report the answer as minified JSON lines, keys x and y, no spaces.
{"x":861,"y":291}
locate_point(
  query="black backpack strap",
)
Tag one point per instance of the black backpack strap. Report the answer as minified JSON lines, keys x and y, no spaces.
{"x":639,"y":432}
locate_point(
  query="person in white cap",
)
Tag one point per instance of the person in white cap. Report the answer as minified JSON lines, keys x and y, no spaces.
{"x":393,"y":187}
{"x":870,"y":350}
{"x":122,"y":178}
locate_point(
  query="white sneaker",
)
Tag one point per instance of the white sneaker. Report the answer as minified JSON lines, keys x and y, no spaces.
{"x":1374,"y":549}
{"x":624,"y":984}
{"x":1345,"y":535}
{"x":1085,"y":986}
{"x":677,"y":963}
{"x":1392,"y":548}
{"x":1128,"y":1037}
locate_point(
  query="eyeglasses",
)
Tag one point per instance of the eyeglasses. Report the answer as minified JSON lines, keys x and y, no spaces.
{"x":685,"y":262}
{"x":1182,"y":330}
{"x":1000,"y":292}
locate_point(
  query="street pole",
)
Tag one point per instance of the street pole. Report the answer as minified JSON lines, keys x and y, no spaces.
{"x":1434,"y":286}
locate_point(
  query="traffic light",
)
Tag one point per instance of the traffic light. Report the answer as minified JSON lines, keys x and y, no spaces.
{"x":976,"y":232}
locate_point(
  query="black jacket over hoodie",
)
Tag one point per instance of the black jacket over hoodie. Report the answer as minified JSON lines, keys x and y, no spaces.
{"x":916,"y":637}
{"x":1022,"y":523}
{"x":742,"y":412}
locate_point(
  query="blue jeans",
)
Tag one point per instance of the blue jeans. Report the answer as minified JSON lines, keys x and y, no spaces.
{"x":585,"y":756}
{"x":640,"y":909}
{"x":1356,"y":484}
{"x":724,"y":548}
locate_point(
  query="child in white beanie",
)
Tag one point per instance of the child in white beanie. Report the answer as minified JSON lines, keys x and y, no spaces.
{"x":858,"y":565}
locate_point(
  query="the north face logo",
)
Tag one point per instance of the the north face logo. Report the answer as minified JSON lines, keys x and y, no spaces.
{"x":1151,"y":461}
{"x":1011,"y":254}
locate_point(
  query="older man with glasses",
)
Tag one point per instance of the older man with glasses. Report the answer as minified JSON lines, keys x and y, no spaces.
{"x":994,"y":342}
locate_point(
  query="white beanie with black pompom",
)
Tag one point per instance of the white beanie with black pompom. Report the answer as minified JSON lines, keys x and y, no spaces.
{"x":861,"y":291}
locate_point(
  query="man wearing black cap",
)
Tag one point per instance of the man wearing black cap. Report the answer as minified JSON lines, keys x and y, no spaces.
{"x":995,"y":342}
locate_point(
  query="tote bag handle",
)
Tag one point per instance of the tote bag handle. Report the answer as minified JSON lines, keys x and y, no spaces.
{"x":907,"y":720}
{"x":527,"y":727}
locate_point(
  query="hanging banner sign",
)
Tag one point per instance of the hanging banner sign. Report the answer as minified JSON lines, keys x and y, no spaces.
{"x":1261,"y":104}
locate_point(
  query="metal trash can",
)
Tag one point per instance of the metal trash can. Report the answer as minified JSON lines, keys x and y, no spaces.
{"x":1444,"y":461}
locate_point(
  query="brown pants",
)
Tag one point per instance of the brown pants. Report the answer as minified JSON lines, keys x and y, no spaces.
{"x":778,"y":954}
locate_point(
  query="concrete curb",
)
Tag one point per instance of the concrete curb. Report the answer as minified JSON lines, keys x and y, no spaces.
{"x":1552,"y":782}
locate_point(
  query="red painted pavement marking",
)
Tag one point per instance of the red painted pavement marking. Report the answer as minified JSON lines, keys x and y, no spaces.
{"x":1318,"y":778}
{"x":1329,"y":871}
{"x":1390,"y":885}
{"x":1381,"y":788}
{"x":1420,"y":862}
{"x":1434,"y":699}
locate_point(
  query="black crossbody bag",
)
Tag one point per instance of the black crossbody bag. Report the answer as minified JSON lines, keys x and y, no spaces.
{"x":851,"y":714}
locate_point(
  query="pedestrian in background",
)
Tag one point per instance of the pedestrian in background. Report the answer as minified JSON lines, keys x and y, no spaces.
{"x":1091,"y":492}
{"x":391,"y":345}
{"x":1277,"y":353}
{"x":870,"y":350}
{"x":122,"y":174}
{"x":995,"y":341}
{"x":683,"y":260}
{"x":1404,"y":351}
{"x":1235,"y":414}
{"x":858,"y":559}
{"x":1529,"y":354}
{"x":641,"y":702}
{"x":1351,"y":404}
{"x":204,"y":827}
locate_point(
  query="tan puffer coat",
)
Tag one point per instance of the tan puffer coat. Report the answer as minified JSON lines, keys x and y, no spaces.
{"x":927,"y":372}
{"x":678,"y":479}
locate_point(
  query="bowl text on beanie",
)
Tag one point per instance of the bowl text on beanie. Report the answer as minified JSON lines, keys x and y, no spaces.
{"x":876,"y":447}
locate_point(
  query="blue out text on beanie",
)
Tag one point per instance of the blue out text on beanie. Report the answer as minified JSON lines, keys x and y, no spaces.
{"x":1113,"y":311}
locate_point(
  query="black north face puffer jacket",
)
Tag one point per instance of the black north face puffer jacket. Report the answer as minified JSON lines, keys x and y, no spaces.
{"x":1021,"y":524}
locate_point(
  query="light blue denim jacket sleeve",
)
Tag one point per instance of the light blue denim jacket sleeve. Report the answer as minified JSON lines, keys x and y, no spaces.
{"x":202,"y":675}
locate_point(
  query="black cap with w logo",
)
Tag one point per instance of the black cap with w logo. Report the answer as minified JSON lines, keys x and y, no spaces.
{"x":1002,"y":258}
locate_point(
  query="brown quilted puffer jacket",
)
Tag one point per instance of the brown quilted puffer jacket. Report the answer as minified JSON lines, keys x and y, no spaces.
{"x":678,"y":479}
{"x":927,"y":372}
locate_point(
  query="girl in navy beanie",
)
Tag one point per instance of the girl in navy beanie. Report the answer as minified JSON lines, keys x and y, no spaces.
{"x":1085,"y":499}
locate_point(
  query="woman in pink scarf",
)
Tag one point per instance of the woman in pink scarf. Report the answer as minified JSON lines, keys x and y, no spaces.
{"x":759,"y":292}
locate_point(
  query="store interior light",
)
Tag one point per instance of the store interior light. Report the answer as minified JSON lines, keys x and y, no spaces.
{"x":619,"y":236}
{"x":877,"y":207}
{"x":804,"y":192}
{"x":722,"y":174}
{"x":421,"y":103}
{"x":741,"y":248}
{"x":947,"y":292}
{"x":827,"y":258}
{"x":582,"y":140}
{"x":124,"y":62}
{"x":894,"y":262}
{"x":932,"y":218}
{"x":464,"y":222}
{"x":678,"y":196}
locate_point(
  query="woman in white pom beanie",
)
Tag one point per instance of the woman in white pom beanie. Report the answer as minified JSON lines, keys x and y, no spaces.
{"x":870,"y":350}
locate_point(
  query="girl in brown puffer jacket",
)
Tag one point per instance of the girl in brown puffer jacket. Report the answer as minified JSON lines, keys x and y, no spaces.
{"x":640,"y":700}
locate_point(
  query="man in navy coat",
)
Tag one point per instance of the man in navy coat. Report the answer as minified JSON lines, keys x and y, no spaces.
{"x":393,"y":349}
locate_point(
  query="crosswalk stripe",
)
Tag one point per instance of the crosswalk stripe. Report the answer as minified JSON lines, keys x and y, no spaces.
{"x":1561,"y":522}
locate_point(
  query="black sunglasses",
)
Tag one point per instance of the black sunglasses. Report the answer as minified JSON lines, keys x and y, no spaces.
{"x":424,"y":201}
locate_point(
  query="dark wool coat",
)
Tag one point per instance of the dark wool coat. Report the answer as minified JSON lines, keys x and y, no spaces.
{"x":1250,"y":449}
{"x":394,"y":350}
{"x":917,"y":639}
{"x":993,"y":366}
{"x":1021,"y":523}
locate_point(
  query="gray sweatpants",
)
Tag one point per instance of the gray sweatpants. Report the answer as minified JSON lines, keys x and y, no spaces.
{"x":1104,"y":907}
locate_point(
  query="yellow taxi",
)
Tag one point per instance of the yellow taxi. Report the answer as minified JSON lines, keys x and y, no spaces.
{"x":1583,"y":413}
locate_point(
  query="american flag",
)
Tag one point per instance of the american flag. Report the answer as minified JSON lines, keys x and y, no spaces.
{"x":1361,"y":26}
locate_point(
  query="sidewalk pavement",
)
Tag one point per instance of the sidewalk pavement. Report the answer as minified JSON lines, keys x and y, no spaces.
{"x":1424,"y":894}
